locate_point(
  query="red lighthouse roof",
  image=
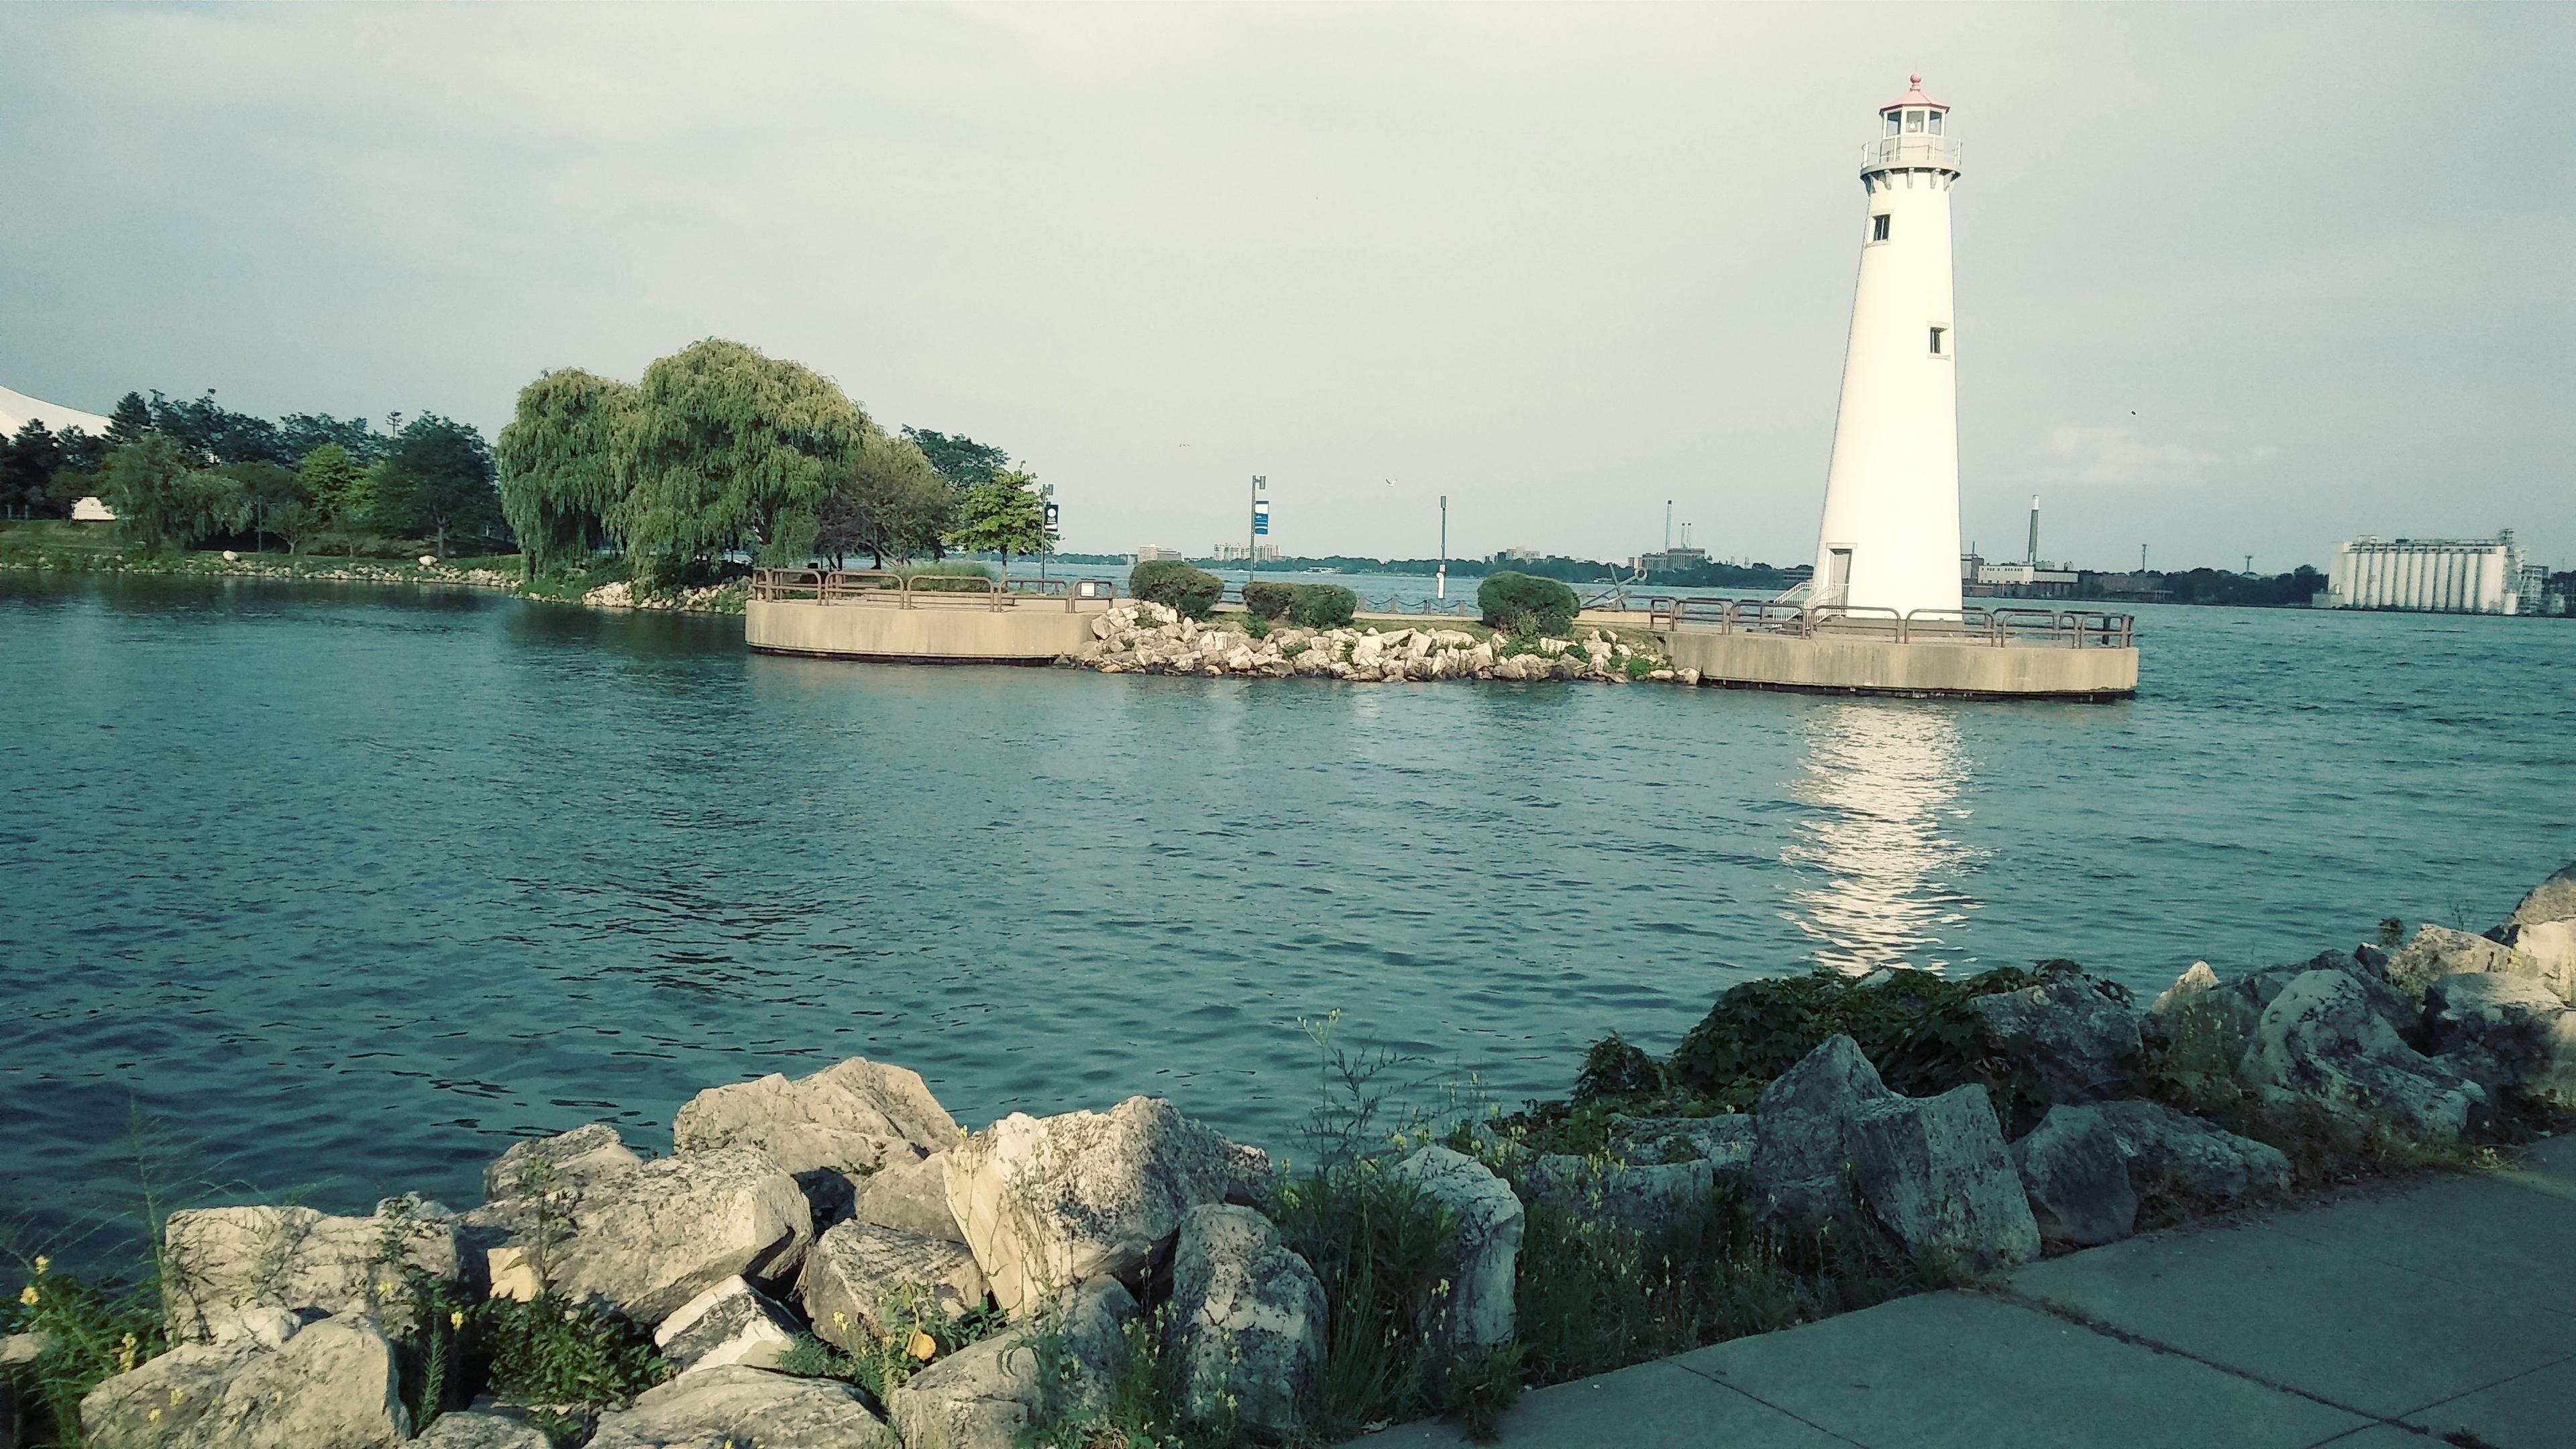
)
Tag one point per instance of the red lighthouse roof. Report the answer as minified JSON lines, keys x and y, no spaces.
{"x":1914,"y":97}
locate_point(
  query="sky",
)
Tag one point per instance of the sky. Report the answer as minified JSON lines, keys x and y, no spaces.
{"x":2230,"y":280}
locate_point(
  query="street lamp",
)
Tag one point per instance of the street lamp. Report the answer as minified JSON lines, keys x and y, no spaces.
{"x":1440,"y":580}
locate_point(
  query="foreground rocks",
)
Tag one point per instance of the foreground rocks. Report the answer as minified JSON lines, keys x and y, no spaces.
{"x":229,"y":1271}
{"x":744,"y":1406}
{"x":1247,"y":1323}
{"x":648,"y":1239}
{"x":1147,"y":638}
{"x":862,"y":1282}
{"x":1833,"y":1144}
{"x":2087,"y":1169}
{"x":986,"y":1394}
{"x":1049,"y":1202}
{"x":330,"y":1386}
{"x":2322,"y":1042}
{"x":833,"y":1130}
{"x":1481,"y":1258}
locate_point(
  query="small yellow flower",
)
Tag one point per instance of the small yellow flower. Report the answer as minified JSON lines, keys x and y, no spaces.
{"x":456,"y":1319}
{"x":840,"y":1320}
{"x":154,"y":1417}
{"x":174,"y":1398}
{"x":28,"y":1295}
{"x":42,"y":1263}
{"x":922,"y":1346}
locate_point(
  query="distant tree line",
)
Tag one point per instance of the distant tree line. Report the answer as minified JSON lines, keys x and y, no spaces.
{"x":2206,"y":586}
{"x":192,"y":472}
{"x":720,"y":455}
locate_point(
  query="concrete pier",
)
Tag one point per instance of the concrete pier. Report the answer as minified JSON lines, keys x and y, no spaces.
{"x":1856,"y":664}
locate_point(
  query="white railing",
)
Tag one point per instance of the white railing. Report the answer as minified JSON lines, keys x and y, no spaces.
{"x":1910,"y":149}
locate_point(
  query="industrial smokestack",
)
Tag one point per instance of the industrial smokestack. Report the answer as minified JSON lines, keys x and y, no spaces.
{"x":2032,"y":558}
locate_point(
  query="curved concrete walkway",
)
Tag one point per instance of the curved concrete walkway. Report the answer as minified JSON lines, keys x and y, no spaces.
{"x":2369,"y":1323}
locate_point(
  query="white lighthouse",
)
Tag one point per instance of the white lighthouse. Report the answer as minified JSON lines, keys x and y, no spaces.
{"x":1891,"y":531}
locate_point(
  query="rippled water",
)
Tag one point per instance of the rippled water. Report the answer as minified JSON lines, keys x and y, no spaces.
{"x":345,"y":888}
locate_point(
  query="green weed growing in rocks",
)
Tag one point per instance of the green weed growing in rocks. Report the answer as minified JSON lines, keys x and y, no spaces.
{"x":548,"y":1350}
{"x":89,"y":1331}
{"x":920,"y":1332}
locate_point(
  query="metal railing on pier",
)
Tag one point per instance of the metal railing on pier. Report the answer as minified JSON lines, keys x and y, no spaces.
{"x":885,"y":588}
{"x":2040,"y":628}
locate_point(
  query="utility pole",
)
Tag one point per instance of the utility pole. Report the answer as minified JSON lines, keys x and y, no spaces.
{"x":1668,"y":525}
{"x":1440,"y":580}
{"x":1260,"y":525}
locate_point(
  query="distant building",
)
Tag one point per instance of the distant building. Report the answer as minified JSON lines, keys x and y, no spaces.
{"x":17,"y":410}
{"x":1235,"y":551}
{"x":1149,"y":552}
{"x":1979,"y":579}
{"x":1671,"y":561}
{"x":1517,"y":555}
{"x":2428,"y":575}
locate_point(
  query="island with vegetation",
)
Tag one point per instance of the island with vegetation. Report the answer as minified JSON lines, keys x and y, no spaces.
{"x":835,"y":1260}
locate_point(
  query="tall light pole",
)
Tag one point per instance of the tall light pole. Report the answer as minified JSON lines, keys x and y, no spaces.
{"x":1046,"y":527}
{"x":1259,"y":525}
{"x":1440,"y":580}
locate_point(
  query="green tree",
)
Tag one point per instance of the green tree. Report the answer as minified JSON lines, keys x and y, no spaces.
{"x":162,"y":503}
{"x":274,"y":500}
{"x":727,"y":449}
{"x":437,"y":481}
{"x":960,"y":459}
{"x":890,"y":501}
{"x":339,"y":491}
{"x":131,"y":420}
{"x":28,"y":462}
{"x":558,"y":465}
{"x":1002,"y":515}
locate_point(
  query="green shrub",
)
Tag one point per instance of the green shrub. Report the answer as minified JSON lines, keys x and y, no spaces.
{"x":1175,"y":585}
{"x":548,"y":1350}
{"x":1616,"y":1068}
{"x":98,"y":1330}
{"x":1269,"y":600}
{"x":1324,"y":606}
{"x":1376,"y":1243}
{"x":1913,"y":1026}
{"x":1518,"y":602}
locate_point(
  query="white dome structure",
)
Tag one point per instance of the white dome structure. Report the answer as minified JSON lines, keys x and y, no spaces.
{"x":16,"y":409}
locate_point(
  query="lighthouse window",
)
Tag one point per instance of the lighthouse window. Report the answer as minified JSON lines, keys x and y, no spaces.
{"x":1936,"y":123}
{"x":1891,"y":123}
{"x":1878,"y":227}
{"x":1913,"y":120}
{"x":1940,"y":341}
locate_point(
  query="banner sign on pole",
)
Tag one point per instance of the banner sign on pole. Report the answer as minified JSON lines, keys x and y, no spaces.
{"x":1261,"y":517}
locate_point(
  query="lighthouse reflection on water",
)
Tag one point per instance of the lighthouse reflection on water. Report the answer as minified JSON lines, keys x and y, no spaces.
{"x":1883,"y":868}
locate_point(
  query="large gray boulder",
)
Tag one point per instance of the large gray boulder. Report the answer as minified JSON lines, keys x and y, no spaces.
{"x":2204,"y":1022}
{"x":745,"y":1407}
{"x":2551,"y":948}
{"x":1933,"y":1172}
{"x":650,"y":1239}
{"x":1646,"y":1198}
{"x":569,"y":1160}
{"x":2087,"y":1168}
{"x":2552,"y":900}
{"x":862,"y":1282}
{"x":2322,"y":1041}
{"x":731,"y":1323}
{"x":831,"y":1130}
{"x":986,"y":1394}
{"x":2435,"y":952}
{"x":473,"y":1429}
{"x":1247,"y":1323}
{"x":1480,"y":1260}
{"x":222,"y":1264}
{"x":2505,"y":1032}
{"x":1046,"y":1202}
{"x":2077,"y":1039}
{"x":911,"y":1197}
{"x":332,"y":1386}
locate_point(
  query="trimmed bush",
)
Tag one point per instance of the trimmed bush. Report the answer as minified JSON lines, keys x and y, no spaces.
{"x":1324,"y":606}
{"x":1269,"y":601}
{"x":1520,"y":601}
{"x":1175,"y":585}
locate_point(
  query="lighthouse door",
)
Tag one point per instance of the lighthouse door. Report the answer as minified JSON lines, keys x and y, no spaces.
{"x":1837,"y":578}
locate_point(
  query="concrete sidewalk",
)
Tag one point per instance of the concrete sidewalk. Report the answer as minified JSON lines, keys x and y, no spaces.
{"x":2366,"y":1324}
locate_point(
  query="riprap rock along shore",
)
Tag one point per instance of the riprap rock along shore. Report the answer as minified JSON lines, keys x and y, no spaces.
{"x":1014,"y":1274}
{"x":1149,"y":638}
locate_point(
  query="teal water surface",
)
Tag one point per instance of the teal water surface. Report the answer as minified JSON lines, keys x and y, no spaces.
{"x":345,"y":888}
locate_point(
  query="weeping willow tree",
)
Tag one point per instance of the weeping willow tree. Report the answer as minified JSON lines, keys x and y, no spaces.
{"x":891,"y":501}
{"x":727,"y":449}
{"x":558,"y":462}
